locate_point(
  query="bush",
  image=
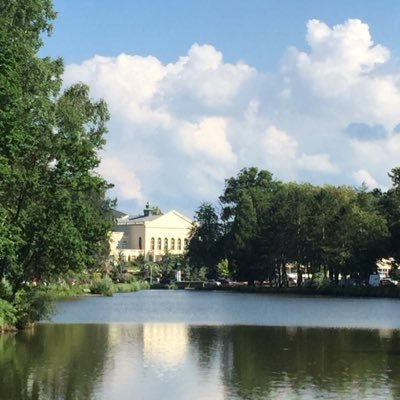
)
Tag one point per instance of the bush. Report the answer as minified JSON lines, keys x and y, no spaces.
{"x":31,"y":305}
{"x":130,"y":287}
{"x":320,"y":281}
{"x":7,"y":315}
{"x":103,"y":286}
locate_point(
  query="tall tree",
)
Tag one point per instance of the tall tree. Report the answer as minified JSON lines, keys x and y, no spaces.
{"x":203,"y":247}
{"x":53,"y":211}
{"x":390,"y":206}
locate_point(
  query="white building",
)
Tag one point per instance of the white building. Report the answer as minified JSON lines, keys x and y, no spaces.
{"x":150,"y":235}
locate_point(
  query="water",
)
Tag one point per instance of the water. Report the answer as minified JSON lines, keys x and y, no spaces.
{"x":207,"y":345}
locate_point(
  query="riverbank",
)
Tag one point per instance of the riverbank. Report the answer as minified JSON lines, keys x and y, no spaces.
{"x":36,"y":303}
{"x":334,"y":291}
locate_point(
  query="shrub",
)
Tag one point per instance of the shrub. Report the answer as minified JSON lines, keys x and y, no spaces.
{"x":130,"y":287}
{"x":7,"y":315}
{"x":320,"y":281}
{"x":31,"y":305}
{"x":103,"y":286}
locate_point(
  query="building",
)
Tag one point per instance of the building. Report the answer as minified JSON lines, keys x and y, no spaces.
{"x":150,"y":235}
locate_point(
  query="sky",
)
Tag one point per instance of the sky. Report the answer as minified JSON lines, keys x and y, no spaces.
{"x":197,"y":90}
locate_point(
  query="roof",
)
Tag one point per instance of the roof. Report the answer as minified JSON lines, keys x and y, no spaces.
{"x":141,"y":219}
{"x":118,"y":214}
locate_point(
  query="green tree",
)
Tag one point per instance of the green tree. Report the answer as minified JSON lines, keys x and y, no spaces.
{"x":53,"y":212}
{"x":243,"y":231}
{"x":389,"y":204}
{"x":205,"y":236}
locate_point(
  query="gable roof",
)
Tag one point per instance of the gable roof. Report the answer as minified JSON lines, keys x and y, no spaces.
{"x":141,"y":219}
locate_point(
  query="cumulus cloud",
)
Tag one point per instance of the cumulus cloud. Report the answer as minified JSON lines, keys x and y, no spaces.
{"x":283,"y":153}
{"x":129,"y":186}
{"x":179,"y":129}
{"x":363,"y":177}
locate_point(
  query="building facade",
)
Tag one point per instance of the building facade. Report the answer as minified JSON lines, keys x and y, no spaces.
{"x":149,"y":235}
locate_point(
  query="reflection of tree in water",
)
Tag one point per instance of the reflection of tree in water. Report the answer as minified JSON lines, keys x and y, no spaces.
{"x":53,"y":362}
{"x":204,"y":340}
{"x":260,"y":362}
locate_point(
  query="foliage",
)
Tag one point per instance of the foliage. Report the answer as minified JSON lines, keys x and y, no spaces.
{"x":7,"y":314}
{"x":203,"y":248}
{"x":265,"y":225}
{"x":6,"y":292}
{"x":223,"y":269}
{"x":31,"y":305}
{"x":320,"y":281}
{"x":103,"y":286}
{"x":130,"y":287}
{"x":54,"y":216}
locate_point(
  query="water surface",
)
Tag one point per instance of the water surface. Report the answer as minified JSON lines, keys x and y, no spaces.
{"x":226,"y":308}
{"x":207,"y":345}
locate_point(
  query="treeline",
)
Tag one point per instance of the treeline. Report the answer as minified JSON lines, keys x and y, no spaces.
{"x":262,"y":225}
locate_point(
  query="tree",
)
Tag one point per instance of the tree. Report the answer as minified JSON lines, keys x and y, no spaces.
{"x":53,"y":212}
{"x":257,"y":184}
{"x":245,"y":200}
{"x":203,"y":249}
{"x":389,"y":203}
{"x":244,"y":228}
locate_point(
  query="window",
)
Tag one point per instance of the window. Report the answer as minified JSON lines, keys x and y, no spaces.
{"x":140,"y":243}
{"x":179,"y":244}
{"x":165,"y":244}
{"x":186,"y":243}
{"x":152,"y":244}
{"x":159,"y":243}
{"x":172,"y":244}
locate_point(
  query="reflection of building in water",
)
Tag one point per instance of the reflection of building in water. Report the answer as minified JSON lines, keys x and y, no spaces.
{"x":165,"y":343}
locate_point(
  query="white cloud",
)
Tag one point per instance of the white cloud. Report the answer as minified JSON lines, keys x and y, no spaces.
{"x":362,"y":176}
{"x":207,"y":139}
{"x":179,"y":129}
{"x":128,"y":185}
{"x":317,"y":163}
{"x":279,"y":144}
{"x":283,"y":153}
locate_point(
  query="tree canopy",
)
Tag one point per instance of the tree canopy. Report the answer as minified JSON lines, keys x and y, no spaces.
{"x":267,"y":225}
{"x":53,"y":212}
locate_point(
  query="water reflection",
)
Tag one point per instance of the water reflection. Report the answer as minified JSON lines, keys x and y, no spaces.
{"x":58,"y":362}
{"x":160,"y":361}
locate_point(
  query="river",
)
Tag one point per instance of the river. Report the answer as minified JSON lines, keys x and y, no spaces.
{"x":207,"y":345}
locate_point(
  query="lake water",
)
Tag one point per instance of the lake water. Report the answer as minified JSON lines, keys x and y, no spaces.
{"x":207,"y":345}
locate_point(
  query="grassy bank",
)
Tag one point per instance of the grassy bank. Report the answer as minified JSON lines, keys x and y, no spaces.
{"x":36,"y":303}
{"x":103,"y":287}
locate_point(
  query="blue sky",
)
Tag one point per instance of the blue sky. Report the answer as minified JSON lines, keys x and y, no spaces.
{"x":197,"y":90}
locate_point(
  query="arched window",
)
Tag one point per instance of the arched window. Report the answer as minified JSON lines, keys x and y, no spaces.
{"x":152,"y":244}
{"x":165,"y":244}
{"x":172,"y":244}
{"x":179,"y":244}
{"x":186,"y":244}
{"x":140,"y":243}
{"x":159,"y":243}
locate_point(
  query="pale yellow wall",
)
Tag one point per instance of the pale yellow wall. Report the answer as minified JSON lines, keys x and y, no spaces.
{"x":136,"y":231}
{"x":115,"y":239}
{"x":168,"y":226}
